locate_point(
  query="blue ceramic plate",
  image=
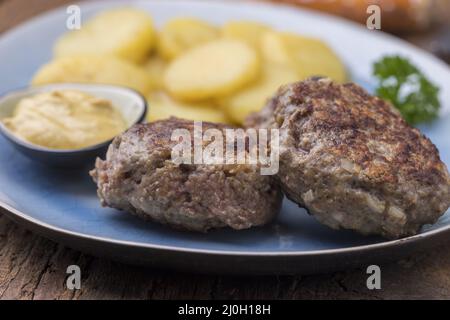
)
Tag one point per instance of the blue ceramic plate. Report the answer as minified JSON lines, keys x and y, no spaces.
{"x":62,"y":204}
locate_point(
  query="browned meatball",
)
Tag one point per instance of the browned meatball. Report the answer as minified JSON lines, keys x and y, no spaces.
{"x":353,"y":162}
{"x":140,"y":177}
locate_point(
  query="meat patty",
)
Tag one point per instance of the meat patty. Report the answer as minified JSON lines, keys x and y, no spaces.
{"x":352,"y":161}
{"x":140,"y":177}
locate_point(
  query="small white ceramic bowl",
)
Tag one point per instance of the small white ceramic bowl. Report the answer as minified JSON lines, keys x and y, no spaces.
{"x":129,"y":103}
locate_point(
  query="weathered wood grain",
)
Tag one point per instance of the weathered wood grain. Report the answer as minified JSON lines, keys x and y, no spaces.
{"x":35,"y":268}
{"x":32,"y":267}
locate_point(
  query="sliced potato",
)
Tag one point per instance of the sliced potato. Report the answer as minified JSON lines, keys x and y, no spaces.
{"x":248,"y":31}
{"x":253,"y":98}
{"x":308,"y":56}
{"x":125,"y":32}
{"x":94,"y":69}
{"x":162,"y":106}
{"x":155,"y":67}
{"x":215,"y":69}
{"x":274,"y":49}
{"x":181,"y":34}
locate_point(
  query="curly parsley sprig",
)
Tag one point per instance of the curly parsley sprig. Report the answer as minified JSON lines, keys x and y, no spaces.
{"x":407,"y":88}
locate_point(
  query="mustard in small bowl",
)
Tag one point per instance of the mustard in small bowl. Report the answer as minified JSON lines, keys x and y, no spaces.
{"x":68,"y":124}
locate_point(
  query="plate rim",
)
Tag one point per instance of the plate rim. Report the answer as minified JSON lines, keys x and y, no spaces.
{"x":9,"y":210}
{"x":12,"y":212}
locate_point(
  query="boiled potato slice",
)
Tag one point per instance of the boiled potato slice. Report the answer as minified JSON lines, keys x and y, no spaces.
{"x":308,"y":56}
{"x":212,"y":70}
{"x":162,"y":106}
{"x":155,"y":67}
{"x":125,"y":32}
{"x":274,"y":49}
{"x":248,"y":31}
{"x":94,"y":69}
{"x":181,"y":34}
{"x":253,"y":98}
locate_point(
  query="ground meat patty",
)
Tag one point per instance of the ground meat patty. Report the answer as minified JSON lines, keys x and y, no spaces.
{"x":353,"y":162}
{"x":139,"y":176}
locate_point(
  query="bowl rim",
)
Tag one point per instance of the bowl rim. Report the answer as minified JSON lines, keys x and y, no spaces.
{"x":54,"y":86}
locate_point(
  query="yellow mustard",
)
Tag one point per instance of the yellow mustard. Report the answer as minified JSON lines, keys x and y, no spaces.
{"x":65,"y":119}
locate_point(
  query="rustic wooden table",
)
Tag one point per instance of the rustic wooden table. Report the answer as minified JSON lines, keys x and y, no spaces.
{"x":32,"y":267}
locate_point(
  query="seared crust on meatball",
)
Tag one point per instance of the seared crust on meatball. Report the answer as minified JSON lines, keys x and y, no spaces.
{"x":139,"y":176}
{"x":353,"y":162}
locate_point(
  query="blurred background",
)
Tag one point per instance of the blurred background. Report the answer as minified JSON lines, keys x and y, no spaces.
{"x":399,"y":16}
{"x":425,"y":23}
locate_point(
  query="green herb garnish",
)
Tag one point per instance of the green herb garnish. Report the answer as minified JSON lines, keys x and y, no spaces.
{"x":407,"y":88}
